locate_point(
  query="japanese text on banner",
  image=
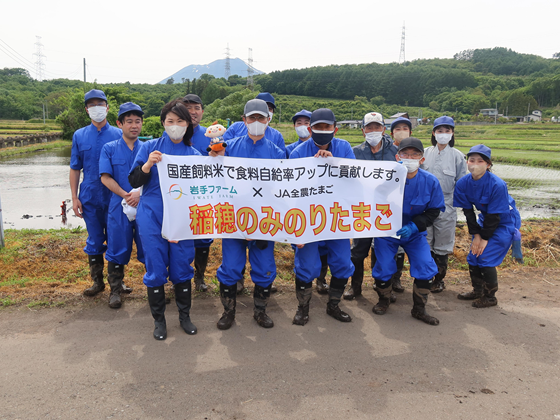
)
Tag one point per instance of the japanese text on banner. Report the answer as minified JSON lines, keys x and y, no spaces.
{"x":294,"y":201}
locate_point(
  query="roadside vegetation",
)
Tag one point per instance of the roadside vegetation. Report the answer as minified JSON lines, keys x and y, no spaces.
{"x":46,"y":268}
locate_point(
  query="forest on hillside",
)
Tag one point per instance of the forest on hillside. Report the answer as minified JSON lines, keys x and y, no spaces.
{"x":472,"y":80}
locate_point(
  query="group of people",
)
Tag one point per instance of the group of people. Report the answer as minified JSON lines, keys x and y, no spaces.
{"x":121,"y":202}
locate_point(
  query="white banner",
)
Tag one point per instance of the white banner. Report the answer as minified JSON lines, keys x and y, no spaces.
{"x":290,"y":200}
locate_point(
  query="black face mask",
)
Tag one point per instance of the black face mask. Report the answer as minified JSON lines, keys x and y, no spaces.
{"x":322,"y":138}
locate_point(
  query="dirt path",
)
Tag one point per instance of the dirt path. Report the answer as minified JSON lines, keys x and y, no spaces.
{"x":87,"y":361}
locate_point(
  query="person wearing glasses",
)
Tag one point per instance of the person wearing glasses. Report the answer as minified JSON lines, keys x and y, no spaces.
{"x":92,"y":203}
{"x":254,"y":145}
{"x":449,"y":165}
{"x":422,"y":203}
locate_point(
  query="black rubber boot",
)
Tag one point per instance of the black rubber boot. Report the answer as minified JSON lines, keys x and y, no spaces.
{"x":322,"y":286}
{"x":241,"y":283}
{"x":156,"y":299}
{"x":477,"y":284}
{"x":114,"y":278}
{"x":228,"y":296}
{"x":420,"y":297}
{"x":183,"y":294}
{"x":200,"y":263}
{"x":356,"y":280}
{"x":303,"y":294}
{"x":384,"y":291}
{"x":96,"y":264}
{"x":490,"y":278}
{"x":335,"y":294}
{"x":441,"y":261}
{"x":261,"y":296}
{"x":396,"y":279}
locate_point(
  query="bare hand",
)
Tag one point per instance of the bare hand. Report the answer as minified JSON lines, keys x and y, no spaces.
{"x":132,"y":198}
{"x":153,"y":159}
{"x":215,"y":154}
{"x":77,"y":207}
{"x":323,"y":153}
{"x":478,"y":245}
{"x":299,"y":246}
{"x":172,"y":242}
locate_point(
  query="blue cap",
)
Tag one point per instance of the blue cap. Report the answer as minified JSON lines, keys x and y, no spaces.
{"x":267,"y":97}
{"x":302,"y":113}
{"x":401,"y":120}
{"x":322,"y":115}
{"x":129,"y":106}
{"x":481,"y":150}
{"x":95,"y":94}
{"x":445,"y":120}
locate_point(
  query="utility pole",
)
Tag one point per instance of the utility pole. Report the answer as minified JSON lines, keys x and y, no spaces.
{"x":280,"y":113}
{"x":528,"y":108}
{"x":496,"y":115}
{"x":250,"y":83}
{"x":44,"y":113}
{"x":84,"y":70}
{"x":39,"y":61}
{"x":2,"y":243}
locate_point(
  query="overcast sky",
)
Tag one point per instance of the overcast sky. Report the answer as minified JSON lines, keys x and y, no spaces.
{"x":144,"y":41}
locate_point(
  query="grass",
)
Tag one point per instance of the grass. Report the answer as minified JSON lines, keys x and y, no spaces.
{"x":14,"y":151}
{"x":48,"y":268}
{"x":520,"y":144}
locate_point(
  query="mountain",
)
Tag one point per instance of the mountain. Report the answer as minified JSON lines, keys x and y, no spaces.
{"x":215,"y":68}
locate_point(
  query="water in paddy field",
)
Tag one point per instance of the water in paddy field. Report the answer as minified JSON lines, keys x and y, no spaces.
{"x":34,"y":185}
{"x":32,"y":189}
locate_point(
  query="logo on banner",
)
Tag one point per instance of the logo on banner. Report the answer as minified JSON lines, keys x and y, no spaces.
{"x":175,"y":192}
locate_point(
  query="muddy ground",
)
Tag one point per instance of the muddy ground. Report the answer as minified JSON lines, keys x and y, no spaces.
{"x":88,"y":361}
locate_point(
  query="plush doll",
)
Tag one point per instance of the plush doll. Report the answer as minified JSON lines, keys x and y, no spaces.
{"x":215,"y":132}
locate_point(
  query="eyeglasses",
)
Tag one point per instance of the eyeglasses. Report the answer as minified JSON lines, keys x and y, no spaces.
{"x":415,"y":155}
{"x":91,"y":105}
{"x":259,"y":118}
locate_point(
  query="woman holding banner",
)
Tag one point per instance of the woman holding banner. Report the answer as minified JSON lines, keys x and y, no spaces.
{"x":164,"y":260}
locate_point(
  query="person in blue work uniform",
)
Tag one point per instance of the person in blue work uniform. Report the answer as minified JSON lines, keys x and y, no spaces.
{"x":401,"y":128}
{"x":92,"y":203}
{"x":164,"y":260}
{"x":307,"y":260}
{"x":493,"y":234}
{"x":114,"y":164}
{"x":200,"y":142}
{"x":234,"y":251}
{"x":448,"y":164}
{"x":422,"y":203}
{"x":239,"y":128}
{"x":377,"y":146}
{"x":301,"y":124}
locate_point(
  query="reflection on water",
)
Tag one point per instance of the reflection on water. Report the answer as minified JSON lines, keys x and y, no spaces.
{"x":36,"y":184}
{"x":33,"y":187}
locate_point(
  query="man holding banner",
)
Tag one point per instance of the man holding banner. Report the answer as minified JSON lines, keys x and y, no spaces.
{"x":261,"y":253}
{"x":322,"y":128}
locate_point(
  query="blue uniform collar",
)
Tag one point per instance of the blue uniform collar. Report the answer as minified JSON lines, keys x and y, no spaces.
{"x":105,"y":127}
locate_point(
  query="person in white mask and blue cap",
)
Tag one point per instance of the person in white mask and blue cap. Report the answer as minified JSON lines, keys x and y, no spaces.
{"x":449,"y":165}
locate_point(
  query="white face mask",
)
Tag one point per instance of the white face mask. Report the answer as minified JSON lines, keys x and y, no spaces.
{"x":477,"y":170}
{"x":374,"y":138}
{"x":400,"y":136}
{"x":302,"y":131}
{"x":97,"y":113}
{"x":411,"y":164}
{"x":256,"y":128}
{"x":270,"y":115}
{"x":175,"y":132}
{"x":443,"y":138}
